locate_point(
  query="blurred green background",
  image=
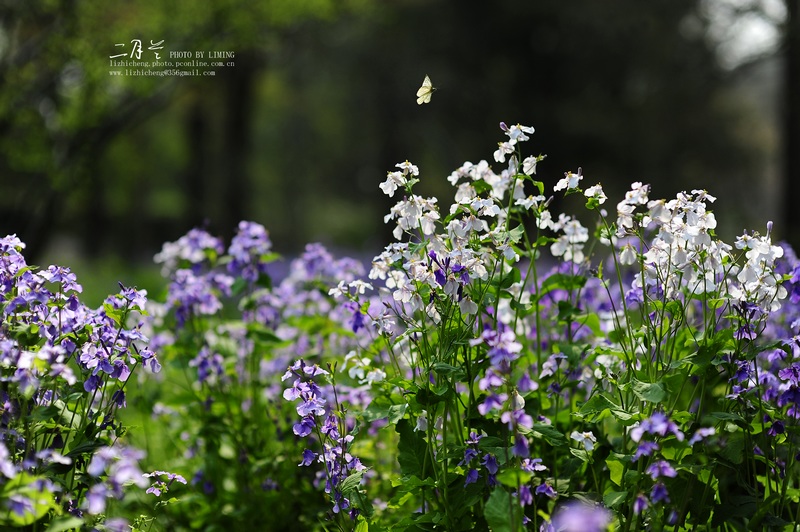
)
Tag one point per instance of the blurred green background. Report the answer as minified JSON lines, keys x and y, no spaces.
{"x":97,"y":171}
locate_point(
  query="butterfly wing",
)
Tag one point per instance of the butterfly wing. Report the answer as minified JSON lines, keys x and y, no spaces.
{"x":425,"y":91}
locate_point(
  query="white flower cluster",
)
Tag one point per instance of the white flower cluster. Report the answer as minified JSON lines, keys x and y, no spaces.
{"x":412,"y":214}
{"x":569,"y":245}
{"x":395,"y":180}
{"x":758,"y":282}
{"x":685,"y":258}
{"x":515,"y":134}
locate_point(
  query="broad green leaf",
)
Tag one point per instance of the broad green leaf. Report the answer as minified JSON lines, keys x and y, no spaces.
{"x":646,"y":391}
{"x":615,"y":469}
{"x":362,"y":525}
{"x":550,"y":434}
{"x":412,"y":450}
{"x":392,"y":413}
{"x":514,"y":477}
{"x":498,"y":511}
{"x":599,"y":403}
{"x":65,"y":523}
{"x":613,"y":499}
{"x":441,"y":368}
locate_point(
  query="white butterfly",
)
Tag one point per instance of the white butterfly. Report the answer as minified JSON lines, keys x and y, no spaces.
{"x":424,"y":93}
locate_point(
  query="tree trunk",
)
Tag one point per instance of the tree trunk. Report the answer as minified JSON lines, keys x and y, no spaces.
{"x":791,"y":147}
{"x":236,"y":129}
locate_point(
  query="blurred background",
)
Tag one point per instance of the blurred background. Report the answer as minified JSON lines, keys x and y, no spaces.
{"x":97,"y":171}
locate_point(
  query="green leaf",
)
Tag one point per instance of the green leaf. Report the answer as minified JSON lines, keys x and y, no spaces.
{"x":64,"y":523}
{"x":42,"y":413}
{"x":351,"y":490}
{"x":497,"y":511}
{"x":593,"y":409}
{"x":580,"y":454}
{"x":361,"y":525}
{"x":550,"y":434}
{"x":615,"y":469}
{"x":733,"y":451}
{"x":412,"y":450}
{"x":652,"y":392}
{"x":566,"y":312}
{"x":514,"y":477}
{"x":441,"y":368}
{"x":563,"y":281}
{"x":613,"y":499}
{"x":393,"y":413}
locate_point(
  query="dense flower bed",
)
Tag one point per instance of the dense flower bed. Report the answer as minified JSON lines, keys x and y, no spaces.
{"x":500,"y":366}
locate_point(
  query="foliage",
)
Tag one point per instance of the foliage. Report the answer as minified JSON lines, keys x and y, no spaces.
{"x":644,"y":377}
{"x":65,"y":369}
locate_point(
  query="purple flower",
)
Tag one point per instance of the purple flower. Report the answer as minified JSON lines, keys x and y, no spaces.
{"x":515,"y":418}
{"x":311,"y":405}
{"x":661,"y":468}
{"x":474,"y":438}
{"x":20,"y":505}
{"x":640,"y":504}
{"x":525,"y":496}
{"x":116,"y":524}
{"x":532,"y":465}
{"x":580,"y":517}
{"x":472,"y":477}
{"x":520,"y":446}
{"x":161,"y":485}
{"x":547,"y":490}
{"x":492,"y":402}
{"x":96,"y":499}
{"x":646,"y":448}
{"x":490,"y":463}
{"x":659,"y":493}
{"x":308,"y":457}
{"x":526,"y":384}
{"x":657,"y":424}
{"x":469,"y":455}
{"x":777,"y":428}
{"x":490,"y":380}
{"x":193,"y":249}
{"x":701,"y":434}
{"x":305,"y":426}
{"x":247,"y":248}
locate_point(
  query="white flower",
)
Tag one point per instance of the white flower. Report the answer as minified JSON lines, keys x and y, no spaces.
{"x":422,"y":422}
{"x":468,"y":307}
{"x":597,"y":193}
{"x":394,"y":180}
{"x":586,"y":438}
{"x":408,"y":168}
{"x":628,"y":255}
{"x":545,"y":220}
{"x":508,"y":252}
{"x":360,"y":286}
{"x":485,"y":207}
{"x":517,"y":401}
{"x":570,"y":244}
{"x":517,"y":133}
{"x":465,"y":194}
{"x":339,"y":290}
{"x":529,"y":165}
{"x":374,"y":375}
{"x":529,"y":202}
{"x":569,"y":181}
{"x":503,"y":149}
{"x":637,"y":195}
